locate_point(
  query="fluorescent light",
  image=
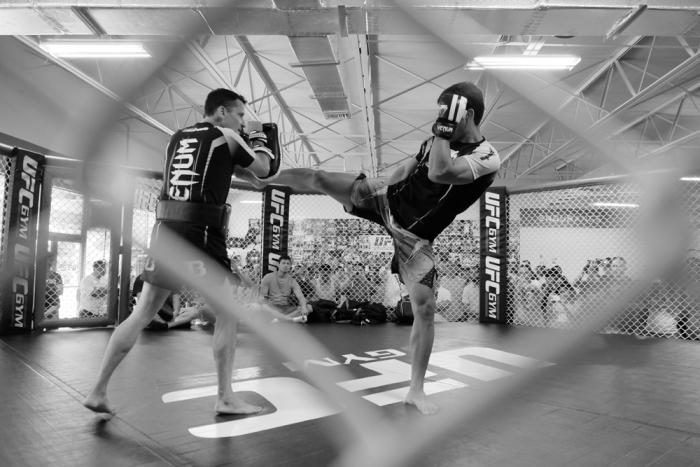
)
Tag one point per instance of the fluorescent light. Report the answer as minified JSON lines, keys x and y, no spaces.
{"x":524,"y":62}
{"x":251,"y":201}
{"x":690,"y":179}
{"x":615,"y":205}
{"x":533,"y":48}
{"x":95,"y":49}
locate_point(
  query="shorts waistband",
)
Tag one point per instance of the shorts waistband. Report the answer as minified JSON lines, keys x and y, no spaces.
{"x":193,"y":213}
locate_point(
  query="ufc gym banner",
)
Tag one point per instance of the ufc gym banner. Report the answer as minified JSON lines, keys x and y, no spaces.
{"x":17,"y":307}
{"x":275,"y":230}
{"x":494,"y":255}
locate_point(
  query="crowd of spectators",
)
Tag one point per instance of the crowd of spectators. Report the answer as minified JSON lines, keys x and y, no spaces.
{"x":544,"y":297}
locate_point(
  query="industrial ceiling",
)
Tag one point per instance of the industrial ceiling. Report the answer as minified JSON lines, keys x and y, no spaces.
{"x":352,"y":84}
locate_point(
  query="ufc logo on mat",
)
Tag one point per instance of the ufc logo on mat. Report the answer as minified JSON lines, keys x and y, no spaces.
{"x":297,"y":401}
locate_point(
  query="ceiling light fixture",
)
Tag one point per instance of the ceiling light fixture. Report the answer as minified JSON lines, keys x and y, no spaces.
{"x":95,"y":49}
{"x":690,"y":179}
{"x":524,"y":62}
{"x":615,"y":205}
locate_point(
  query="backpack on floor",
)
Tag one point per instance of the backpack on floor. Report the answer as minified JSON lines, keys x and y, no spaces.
{"x":321,"y":311}
{"x":370,"y":313}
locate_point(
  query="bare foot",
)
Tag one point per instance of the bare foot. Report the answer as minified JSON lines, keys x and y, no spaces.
{"x":420,"y":401}
{"x":235,"y":406}
{"x":98,"y":404}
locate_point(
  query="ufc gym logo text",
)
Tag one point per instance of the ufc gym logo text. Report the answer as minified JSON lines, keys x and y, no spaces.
{"x":492,"y":268}
{"x":24,"y":248}
{"x":276,"y":227}
{"x":296,"y":401}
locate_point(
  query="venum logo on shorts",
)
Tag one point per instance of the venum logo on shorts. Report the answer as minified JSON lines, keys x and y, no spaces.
{"x":296,"y":401}
{"x":182,"y":177}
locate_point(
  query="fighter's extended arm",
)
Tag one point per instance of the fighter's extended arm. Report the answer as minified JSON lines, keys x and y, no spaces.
{"x":264,"y":164}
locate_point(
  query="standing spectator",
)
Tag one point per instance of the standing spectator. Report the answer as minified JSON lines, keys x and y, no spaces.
{"x":93,"y":292}
{"x":54,"y":290}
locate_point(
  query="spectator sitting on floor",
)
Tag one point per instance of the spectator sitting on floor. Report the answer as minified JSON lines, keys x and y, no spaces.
{"x":470,"y":296}
{"x":278,"y":287}
{"x":165,"y":318}
{"x":302,"y":276}
{"x":356,"y":288}
{"x":93,"y":292}
{"x":443,"y":297}
{"x":54,"y":290}
{"x":325,"y":287}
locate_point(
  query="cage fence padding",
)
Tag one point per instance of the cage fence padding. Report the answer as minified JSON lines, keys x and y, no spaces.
{"x":574,"y":251}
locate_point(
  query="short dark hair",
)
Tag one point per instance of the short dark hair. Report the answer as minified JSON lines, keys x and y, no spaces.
{"x":283,"y":257}
{"x":475,"y":98}
{"x":219,"y":97}
{"x":100,"y":263}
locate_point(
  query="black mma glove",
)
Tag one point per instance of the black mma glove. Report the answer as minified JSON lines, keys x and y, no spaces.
{"x":452,"y":108}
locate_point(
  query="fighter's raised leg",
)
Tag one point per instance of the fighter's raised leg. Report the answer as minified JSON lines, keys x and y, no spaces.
{"x":337,"y":185}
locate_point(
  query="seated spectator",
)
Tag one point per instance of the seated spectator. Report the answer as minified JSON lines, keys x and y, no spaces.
{"x":324,"y":285}
{"x":54,"y":290}
{"x":470,"y":296}
{"x":554,"y":284}
{"x":302,"y":276}
{"x":165,"y":318}
{"x":454,"y":280}
{"x":589,"y":279}
{"x":278,"y":287}
{"x":356,"y":288}
{"x":443,"y":298}
{"x":689,"y":314}
{"x":93,"y":292}
{"x":525,"y":297}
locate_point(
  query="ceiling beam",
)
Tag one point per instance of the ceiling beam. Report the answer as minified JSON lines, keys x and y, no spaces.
{"x":272,"y":88}
{"x":135,"y":111}
{"x":600,"y":71}
{"x":646,"y":93}
{"x":248,"y":17}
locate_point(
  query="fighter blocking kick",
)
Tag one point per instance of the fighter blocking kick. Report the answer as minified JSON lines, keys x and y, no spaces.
{"x":414,"y":204}
{"x":199,"y":164}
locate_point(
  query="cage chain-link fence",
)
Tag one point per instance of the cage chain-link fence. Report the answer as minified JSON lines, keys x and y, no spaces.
{"x":573,"y":251}
{"x":65,"y":250}
{"x":337,"y":256}
{"x":6,"y":171}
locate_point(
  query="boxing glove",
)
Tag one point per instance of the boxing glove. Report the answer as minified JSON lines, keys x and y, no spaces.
{"x":452,"y":108}
{"x":257,"y":139}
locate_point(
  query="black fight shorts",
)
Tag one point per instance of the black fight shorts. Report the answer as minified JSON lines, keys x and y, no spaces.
{"x":181,"y":253}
